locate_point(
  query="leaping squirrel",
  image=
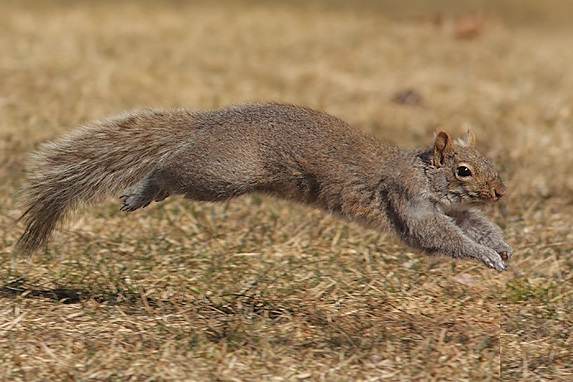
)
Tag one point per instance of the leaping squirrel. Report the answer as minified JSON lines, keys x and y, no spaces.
{"x":428,"y":197}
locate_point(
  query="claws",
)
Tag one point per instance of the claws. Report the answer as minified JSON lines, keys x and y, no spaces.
{"x":124,"y":205}
{"x":130,"y":202}
{"x":499,"y":265}
{"x":493,"y":260}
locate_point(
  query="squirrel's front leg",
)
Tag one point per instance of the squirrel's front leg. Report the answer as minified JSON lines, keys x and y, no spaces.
{"x":422,"y":226}
{"x":476,"y":226}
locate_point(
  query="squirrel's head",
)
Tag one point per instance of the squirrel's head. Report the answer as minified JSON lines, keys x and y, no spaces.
{"x":460,"y":175}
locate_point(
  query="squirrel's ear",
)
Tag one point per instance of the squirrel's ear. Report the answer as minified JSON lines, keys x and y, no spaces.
{"x":470,"y":138}
{"x":443,"y":146}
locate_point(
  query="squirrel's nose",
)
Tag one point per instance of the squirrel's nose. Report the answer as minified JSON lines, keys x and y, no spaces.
{"x":498,"y":191}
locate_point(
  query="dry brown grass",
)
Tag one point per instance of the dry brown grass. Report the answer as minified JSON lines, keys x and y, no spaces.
{"x":263,"y":290}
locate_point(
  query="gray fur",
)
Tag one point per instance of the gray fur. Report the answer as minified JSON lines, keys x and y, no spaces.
{"x":286,"y":151}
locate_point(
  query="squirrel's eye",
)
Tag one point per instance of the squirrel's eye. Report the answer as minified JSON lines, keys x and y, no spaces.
{"x":463,"y":172}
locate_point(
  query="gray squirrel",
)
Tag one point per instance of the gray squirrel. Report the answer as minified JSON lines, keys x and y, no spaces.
{"x":428,"y":197}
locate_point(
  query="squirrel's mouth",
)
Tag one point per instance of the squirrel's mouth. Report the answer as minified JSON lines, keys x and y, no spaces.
{"x":491,"y":198}
{"x":481,"y":198}
{"x":465,"y":204}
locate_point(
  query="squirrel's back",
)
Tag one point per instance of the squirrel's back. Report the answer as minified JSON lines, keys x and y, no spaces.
{"x":256,"y":141}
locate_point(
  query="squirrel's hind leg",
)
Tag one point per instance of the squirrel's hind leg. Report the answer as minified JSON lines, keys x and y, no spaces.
{"x":141,"y":194}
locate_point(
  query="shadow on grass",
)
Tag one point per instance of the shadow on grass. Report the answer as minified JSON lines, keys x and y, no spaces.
{"x":19,"y":288}
{"x":239,"y":304}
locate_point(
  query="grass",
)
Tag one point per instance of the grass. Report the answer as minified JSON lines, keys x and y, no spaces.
{"x":259,"y":289}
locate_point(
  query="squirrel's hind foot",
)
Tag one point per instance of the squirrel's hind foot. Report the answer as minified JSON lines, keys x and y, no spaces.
{"x":131,"y":202}
{"x":141,"y":195}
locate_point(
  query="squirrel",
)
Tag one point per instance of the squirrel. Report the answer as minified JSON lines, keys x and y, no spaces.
{"x":428,"y":197}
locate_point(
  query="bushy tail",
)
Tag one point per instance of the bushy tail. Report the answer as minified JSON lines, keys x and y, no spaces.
{"x":92,"y":163}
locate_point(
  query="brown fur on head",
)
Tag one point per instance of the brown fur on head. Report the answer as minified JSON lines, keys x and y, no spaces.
{"x":461,"y":175}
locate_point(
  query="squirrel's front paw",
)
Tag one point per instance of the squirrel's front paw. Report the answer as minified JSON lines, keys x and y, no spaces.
{"x":492,"y":259}
{"x":504,"y":250}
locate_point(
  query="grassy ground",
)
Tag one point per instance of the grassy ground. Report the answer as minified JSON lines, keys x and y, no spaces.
{"x":259,"y":289}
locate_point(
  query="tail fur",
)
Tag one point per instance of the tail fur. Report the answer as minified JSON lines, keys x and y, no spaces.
{"x":94,"y":162}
